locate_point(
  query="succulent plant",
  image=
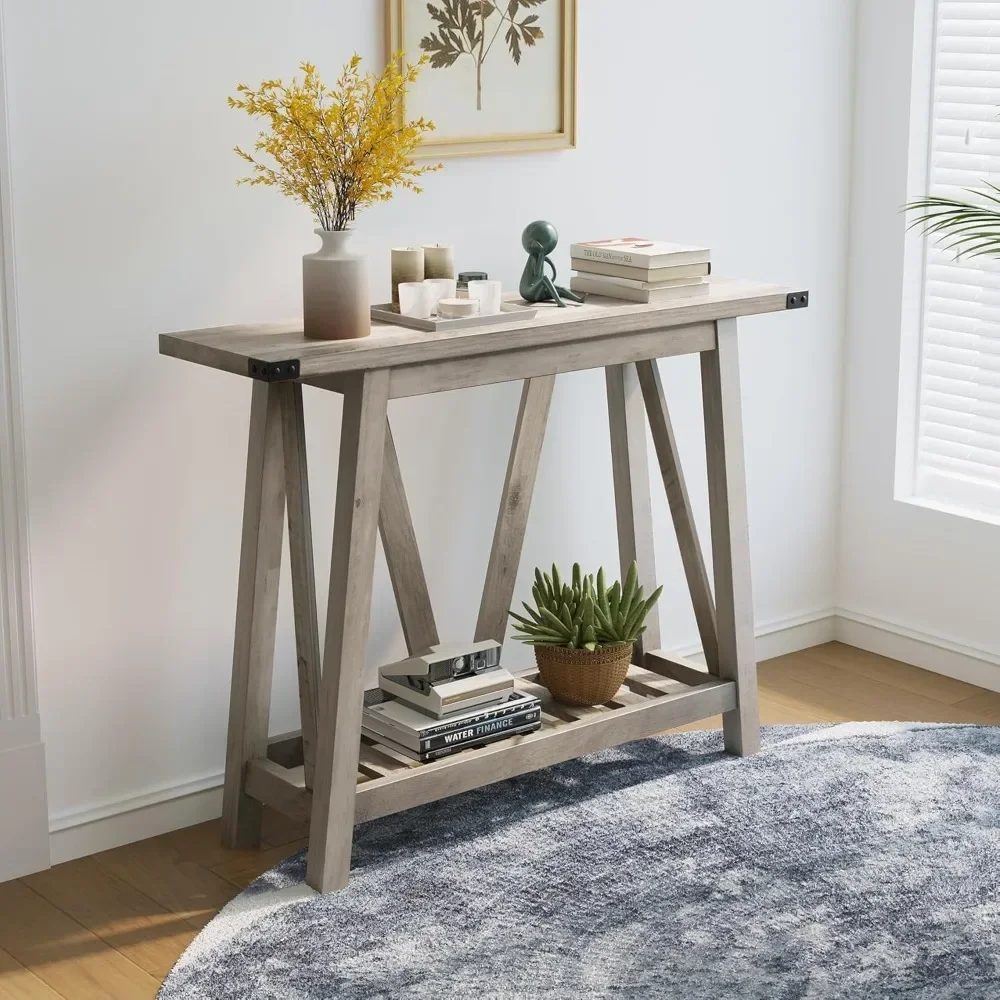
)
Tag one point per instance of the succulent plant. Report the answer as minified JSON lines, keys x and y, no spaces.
{"x":584,"y":613}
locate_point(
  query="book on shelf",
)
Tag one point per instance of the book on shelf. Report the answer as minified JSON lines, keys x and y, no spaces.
{"x":649,"y":274}
{"x":636,"y":252}
{"x":593,"y":285}
{"x":458,"y":740}
{"x":407,"y":726}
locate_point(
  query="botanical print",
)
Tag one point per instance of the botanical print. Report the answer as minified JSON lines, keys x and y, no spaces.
{"x":500,"y":73}
{"x":462,"y":27}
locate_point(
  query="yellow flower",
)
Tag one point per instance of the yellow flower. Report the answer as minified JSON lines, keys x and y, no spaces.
{"x":336,"y":150}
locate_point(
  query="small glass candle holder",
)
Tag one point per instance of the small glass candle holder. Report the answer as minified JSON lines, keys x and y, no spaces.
{"x":457,"y":308}
{"x":415,"y":299}
{"x":489,"y":295}
{"x":440,"y":288}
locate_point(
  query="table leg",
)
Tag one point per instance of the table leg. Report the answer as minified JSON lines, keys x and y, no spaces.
{"x":359,"y":483}
{"x":630,"y":468}
{"x":515,"y":501}
{"x":300,"y":551}
{"x":720,"y":375}
{"x":402,"y":556}
{"x":693,"y":560}
{"x":256,"y":615}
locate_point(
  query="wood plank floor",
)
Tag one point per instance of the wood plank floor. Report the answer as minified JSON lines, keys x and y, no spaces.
{"x":110,"y":927}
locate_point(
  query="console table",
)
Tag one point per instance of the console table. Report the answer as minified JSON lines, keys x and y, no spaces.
{"x":328,"y":773}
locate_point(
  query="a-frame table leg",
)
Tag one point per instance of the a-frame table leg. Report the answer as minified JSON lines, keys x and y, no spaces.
{"x":359,"y":482}
{"x":256,"y":615}
{"x":630,"y":468}
{"x":720,"y":375}
{"x":693,"y":560}
{"x":300,"y":550}
{"x":515,"y":502}
{"x":402,"y":557}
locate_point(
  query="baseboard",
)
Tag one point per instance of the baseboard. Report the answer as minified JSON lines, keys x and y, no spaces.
{"x":109,"y":824}
{"x":783,"y":635}
{"x":937,"y":653}
{"x":23,"y":819}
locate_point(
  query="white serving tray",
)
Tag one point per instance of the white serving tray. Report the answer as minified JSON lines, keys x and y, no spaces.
{"x":508,"y":311}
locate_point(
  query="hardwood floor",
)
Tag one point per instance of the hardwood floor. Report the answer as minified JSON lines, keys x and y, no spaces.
{"x":110,"y":927}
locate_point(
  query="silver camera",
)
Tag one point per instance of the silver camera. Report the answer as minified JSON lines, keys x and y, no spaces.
{"x":449,"y":678}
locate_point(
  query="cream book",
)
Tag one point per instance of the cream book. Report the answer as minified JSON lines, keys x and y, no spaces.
{"x":635,"y":283}
{"x":650,"y":274}
{"x":597,"y":286}
{"x":637,"y":252}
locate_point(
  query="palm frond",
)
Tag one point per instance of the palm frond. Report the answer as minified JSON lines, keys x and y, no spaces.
{"x":965,"y":228}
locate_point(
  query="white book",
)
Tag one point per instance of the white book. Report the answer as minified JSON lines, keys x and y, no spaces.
{"x":636,"y":283}
{"x":651,"y":274}
{"x":636,"y":252}
{"x":597,"y":286}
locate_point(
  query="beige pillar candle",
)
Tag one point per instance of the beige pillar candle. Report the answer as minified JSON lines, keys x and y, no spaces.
{"x":439,"y":260}
{"x":407,"y":265}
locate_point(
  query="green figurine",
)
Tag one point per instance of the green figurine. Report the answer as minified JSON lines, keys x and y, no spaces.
{"x":540,"y":239}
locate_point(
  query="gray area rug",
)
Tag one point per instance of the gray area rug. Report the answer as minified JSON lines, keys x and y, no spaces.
{"x":857,"y":861}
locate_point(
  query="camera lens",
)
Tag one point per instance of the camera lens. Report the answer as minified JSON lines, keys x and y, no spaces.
{"x":459,"y":666}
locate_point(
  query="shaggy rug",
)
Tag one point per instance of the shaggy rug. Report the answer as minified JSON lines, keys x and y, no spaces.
{"x":857,"y":861}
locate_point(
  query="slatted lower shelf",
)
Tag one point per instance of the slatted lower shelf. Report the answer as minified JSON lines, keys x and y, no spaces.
{"x":671,"y":693}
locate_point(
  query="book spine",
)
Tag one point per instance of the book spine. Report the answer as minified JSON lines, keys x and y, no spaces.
{"x":594,"y":286}
{"x":528,"y":727}
{"x":640,"y":272}
{"x":482,"y":730}
{"x":611,"y":256}
{"x":488,"y":713}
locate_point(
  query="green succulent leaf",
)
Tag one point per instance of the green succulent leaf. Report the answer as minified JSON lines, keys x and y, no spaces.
{"x":631,"y":583}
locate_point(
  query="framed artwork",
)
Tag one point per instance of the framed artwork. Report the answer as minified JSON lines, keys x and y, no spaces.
{"x":501,"y":76}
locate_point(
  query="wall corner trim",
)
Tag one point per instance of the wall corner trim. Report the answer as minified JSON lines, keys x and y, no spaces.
{"x":23,"y":820}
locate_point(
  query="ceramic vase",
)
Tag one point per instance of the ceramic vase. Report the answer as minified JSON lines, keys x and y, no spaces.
{"x":335,"y":302}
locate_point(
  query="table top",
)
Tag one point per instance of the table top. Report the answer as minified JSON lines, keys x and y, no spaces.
{"x":279,"y":350}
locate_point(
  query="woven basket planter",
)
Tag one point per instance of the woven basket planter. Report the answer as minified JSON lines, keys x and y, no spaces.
{"x":582,"y":677}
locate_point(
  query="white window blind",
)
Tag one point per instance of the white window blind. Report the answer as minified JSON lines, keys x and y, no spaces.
{"x":957,"y":446}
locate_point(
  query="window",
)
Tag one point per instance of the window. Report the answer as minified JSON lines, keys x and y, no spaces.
{"x":949,"y":440}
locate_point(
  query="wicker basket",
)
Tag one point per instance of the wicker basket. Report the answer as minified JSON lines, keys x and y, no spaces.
{"x":582,"y":677}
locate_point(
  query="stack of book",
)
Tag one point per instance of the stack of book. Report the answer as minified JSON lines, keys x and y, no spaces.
{"x":640,"y":270}
{"x":422,"y":737}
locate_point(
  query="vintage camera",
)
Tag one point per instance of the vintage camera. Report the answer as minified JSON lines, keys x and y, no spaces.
{"x":449,"y":678}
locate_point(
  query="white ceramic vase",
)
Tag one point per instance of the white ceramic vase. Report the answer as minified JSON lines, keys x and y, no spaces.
{"x":335,"y":302}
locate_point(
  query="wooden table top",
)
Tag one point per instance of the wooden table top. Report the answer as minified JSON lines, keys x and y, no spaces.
{"x":236,"y":348}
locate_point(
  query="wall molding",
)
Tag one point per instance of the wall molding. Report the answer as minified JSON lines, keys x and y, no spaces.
{"x":23,"y":820}
{"x":124,"y":820}
{"x":938,"y":653}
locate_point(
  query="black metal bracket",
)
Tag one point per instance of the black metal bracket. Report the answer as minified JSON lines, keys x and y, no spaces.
{"x":797,"y":300}
{"x":273,"y":371}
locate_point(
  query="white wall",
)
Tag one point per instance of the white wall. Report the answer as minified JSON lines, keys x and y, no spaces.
{"x":913,"y":582}
{"x":129,"y":223}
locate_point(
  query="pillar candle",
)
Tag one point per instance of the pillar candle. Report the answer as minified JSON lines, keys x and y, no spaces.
{"x":439,"y":260}
{"x":407,"y":265}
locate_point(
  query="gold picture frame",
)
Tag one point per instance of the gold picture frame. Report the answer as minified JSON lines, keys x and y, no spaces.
{"x":480,"y":145}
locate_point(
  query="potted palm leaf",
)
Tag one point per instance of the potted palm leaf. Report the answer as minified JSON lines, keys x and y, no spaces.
{"x":583,"y":632}
{"x":968,"y":228}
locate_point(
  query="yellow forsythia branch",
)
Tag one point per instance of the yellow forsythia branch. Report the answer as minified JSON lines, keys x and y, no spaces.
{"x":336,"y":150}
